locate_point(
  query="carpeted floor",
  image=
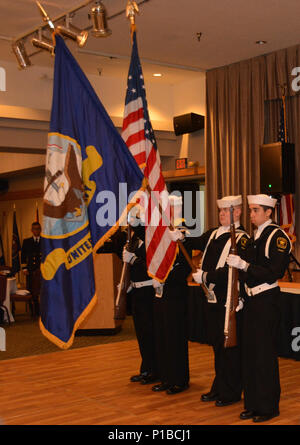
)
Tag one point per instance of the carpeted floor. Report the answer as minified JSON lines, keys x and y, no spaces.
{"x":24,"y":338}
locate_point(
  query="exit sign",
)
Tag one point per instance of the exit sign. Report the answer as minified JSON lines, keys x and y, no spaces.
{"x":181,"y":163}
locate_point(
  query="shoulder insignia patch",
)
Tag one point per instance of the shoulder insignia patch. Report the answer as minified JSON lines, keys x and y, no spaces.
{"x":281,"y":243}
{"x":244,"y":241}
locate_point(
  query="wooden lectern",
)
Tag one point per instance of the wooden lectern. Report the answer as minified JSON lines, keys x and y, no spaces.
{"x":108,"y":268}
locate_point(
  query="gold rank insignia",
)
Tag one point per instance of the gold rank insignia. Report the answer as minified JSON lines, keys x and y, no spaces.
{"x":281,"y":243}
{"x":244,"y":241}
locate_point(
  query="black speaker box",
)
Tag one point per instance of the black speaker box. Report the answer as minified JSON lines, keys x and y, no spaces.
{"x":3,"y":186}
{"x":187,"y":123}
{"x":277,"y":168}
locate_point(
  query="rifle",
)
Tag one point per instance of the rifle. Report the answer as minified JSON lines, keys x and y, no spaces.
{"x":232,"y":294}
{"x":120,"y":305}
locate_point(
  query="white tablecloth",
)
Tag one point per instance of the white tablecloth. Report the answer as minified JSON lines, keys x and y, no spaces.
{"x":11,"y":288}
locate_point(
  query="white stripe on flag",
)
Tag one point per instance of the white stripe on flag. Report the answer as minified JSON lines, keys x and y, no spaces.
{"x":132,"y":106}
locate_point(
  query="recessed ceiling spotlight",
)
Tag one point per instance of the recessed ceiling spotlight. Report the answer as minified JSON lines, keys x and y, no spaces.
{"x":261,"y":42}
{"x":157,"y":75}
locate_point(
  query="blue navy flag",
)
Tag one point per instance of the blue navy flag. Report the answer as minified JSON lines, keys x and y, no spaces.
{"x":89,"y":177}
{"x":16,"y":247}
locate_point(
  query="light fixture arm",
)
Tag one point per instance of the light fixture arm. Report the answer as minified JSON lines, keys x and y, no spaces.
{"x":70,"y":12}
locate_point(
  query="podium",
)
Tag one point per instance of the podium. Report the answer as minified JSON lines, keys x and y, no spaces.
{"x":100,"y":321}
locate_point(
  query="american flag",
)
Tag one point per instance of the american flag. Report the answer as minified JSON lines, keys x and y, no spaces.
{"x":138,"y":134}
{"x":282,"y":128}
{"x":287,"y":216}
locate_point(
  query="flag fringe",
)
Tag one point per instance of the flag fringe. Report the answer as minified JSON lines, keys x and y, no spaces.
{"x":60,"y":343}
{"x":169,"y":270}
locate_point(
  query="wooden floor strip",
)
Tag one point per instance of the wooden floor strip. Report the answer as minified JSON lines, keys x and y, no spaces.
{"x":90,"y":386}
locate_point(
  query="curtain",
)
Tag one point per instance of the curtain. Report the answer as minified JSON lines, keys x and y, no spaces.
{"x":242,"y":112}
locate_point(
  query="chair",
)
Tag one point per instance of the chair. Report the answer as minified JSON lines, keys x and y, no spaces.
{"x":25,"y":298}
{"x":3,"y":281}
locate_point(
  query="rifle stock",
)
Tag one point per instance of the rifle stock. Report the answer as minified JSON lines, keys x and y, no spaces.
{"x":232,"y":294}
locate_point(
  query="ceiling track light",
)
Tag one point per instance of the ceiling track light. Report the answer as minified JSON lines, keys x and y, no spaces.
{"x":99,"y":29}
{"x":21,"y":55}
{"x":98,"y":14}
{"x":45,"y":44}
{"x":80,"y":37}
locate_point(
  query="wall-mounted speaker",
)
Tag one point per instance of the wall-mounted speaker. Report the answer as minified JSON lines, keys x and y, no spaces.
{"x":3,"y":186}
{"x":187,"y":123}
{"x":277,"y":168}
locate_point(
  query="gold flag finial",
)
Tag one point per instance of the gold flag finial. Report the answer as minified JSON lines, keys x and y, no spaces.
{"x":45,"y":16}
{"x":131,"y":10}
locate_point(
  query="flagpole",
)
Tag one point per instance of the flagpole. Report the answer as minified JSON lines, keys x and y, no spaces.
{"x":283,"y":89}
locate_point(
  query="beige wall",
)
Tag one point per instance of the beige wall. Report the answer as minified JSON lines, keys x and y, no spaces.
{"x":29,"y":93}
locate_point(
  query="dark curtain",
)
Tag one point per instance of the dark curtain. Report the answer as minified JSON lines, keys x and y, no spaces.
{"x":242,"y":112}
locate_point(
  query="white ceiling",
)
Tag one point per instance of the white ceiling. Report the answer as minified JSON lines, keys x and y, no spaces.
{"x":167,"y":33}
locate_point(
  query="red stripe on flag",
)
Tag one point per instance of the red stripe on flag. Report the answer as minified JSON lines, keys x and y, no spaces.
{"x":140,"y":158}
{"x":167,"y":260}
{"x":133,"y":117}
{"x":157,"y":235}
{"x":151,"y":161}
{"x":135,"y":138}
{"x":288,"y":208}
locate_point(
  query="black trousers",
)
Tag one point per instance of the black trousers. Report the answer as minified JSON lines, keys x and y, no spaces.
{"x":260,"y":363}
{"x":171,"y":336}
{"x":142,"y":314}
{"x":228,"y":374}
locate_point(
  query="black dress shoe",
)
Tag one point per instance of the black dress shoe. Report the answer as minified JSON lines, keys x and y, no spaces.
{"x":264,"y":417}
{"x":247,"y":414}
{"x":209,"y":397}
{"x":150,"y":378}
{"x":160,"y":387}
{"x":139,"y":377}
{"x":175,"y":389}
{"x":226,"y":402}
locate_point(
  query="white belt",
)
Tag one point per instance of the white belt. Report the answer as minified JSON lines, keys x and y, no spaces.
{"x":261,"y":288}
{"x":142,"y":283}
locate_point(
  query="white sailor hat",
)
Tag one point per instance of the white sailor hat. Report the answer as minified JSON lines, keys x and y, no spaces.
{"x":137,"y":212}
{"x":229,"y":201}
{"x":176,"y":209}
{"x":175,"y":200}
{"x":263,"y":200}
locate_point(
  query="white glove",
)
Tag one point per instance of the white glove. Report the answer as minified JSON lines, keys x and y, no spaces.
{"x":175,"y":235}
{"x":128,"y":257}
{"x":156,"y":283}
{"x":237,"y":262}
{"x":239,"y":306}
{"x":158,"y":287}
{"x":198,"y":276}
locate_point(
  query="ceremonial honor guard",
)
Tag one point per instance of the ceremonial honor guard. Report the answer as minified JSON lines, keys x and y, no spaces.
{"x":31,"y":261}
{"x":170,"y":309}
{"x":142,"y":296}
{"x":262,"y":263}
{"x":215,"y":244}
